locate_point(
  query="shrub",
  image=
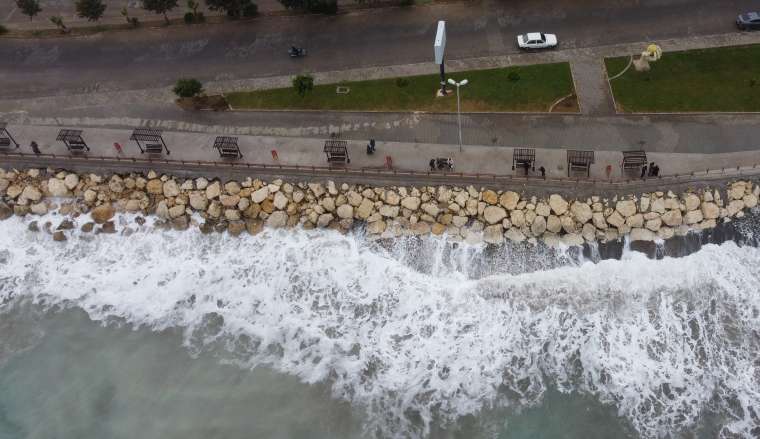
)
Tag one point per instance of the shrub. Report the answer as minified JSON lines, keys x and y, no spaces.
{"x":189,"y":18}
{"x":303,"y":84}
{"x":406,"y":2}
{"x":92,"y":10}
{"x":187,"y":88}
{"x":513,"y":76}
{"x":3,"y":29}
{"x":402,"y":82}
{"x":250,"y":9}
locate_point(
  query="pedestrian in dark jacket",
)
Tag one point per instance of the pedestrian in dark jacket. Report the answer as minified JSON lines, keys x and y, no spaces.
{"x":643,"y":171}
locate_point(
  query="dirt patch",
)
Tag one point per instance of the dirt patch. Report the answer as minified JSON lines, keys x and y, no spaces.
{"x":213,"y":103}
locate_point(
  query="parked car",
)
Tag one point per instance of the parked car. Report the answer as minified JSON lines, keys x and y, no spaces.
{"x":536,"y":40}
{"x":748,"y":21}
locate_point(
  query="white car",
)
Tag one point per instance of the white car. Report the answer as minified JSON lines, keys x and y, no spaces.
{"x":536,"y":40}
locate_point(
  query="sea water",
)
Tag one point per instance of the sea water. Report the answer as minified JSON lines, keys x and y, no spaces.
{"x":315,"y":334}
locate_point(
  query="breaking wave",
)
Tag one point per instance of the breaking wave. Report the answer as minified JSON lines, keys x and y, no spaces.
{"x":415,"y":336}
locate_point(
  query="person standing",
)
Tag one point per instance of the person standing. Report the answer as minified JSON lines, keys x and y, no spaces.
{"x":543,"y":172}
{"x":35,"y":148}
{"x":643,"y":171}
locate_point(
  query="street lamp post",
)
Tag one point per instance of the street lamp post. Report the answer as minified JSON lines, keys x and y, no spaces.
{"x":459,"y":112}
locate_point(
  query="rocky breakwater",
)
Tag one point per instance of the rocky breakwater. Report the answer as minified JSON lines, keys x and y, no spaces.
{"x":462,"y":214}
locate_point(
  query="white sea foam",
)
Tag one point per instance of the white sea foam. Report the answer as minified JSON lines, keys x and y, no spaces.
{"x":664,"y":341}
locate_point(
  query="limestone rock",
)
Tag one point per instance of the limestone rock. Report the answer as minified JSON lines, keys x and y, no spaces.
{"x":437,"y":229}
{"x":490,"y":197}
{"x":31,"y":193}
{"x":515,"y":235}
{"x":543,"y":209}
{"x":90,"y":196}
{"x":59,"y":236}
{"x":317,"y":189}
{"x":171,"y":189}
{"x":411,"y":203}
{"x":280,"y":201}
{"x":654,"y":224}
{"x":625,"y":208}
{"x":750,"y":201}
{"x":509,"y":200}
{"x":102,"y":213}
{"x":176,"y":211}
{"x":229,"y":200}
{"x":388,"y":211}
{"x":376,"y":227}
{"x":155,"y":187}
{"x":639,"y":234}
{"x":691,"y":201}
{"x":735,"y":206}
{"x":277,"y":219}
{"x":710,"y":210}
{"x":581,"y":211}
{"x":213,"y":190}
{"x":589,"y":232}
{"x":39,"y":208}
{"x":616,"y":219}
{"x":553,"y":224}
{"x":494,"y":214}
{"x":345,"y":211}
{"x":57,"y":188}
{"x":568,"y":225}
{"x":658,"y":205}
{"x":572,"y":239}
{"x":736,"y":192}
{"x":365,"y":209}
{"x":235,"y":228}
{"x":198,"y":201}
{"x":693,"y":217}
{"x":392,"y":198}
{"x":635,"y":221}
{"x":214,"y":209}
{"x":558,"y":204}
{"x":493,"y":234}
{"x":232,"y":187}
{"x":599,"y":221}
{"x":260,"y":195}
{"x":672,"y":218}
{"x":539,"y":226}
{"x":517,"y":218}
{"x":5,"y":211}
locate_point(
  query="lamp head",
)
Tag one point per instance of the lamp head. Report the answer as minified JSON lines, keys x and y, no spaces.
{"x":452,"y":82}
{"x":464,"y":82}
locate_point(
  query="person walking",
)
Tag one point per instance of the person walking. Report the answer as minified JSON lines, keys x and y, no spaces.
{"x":543,"y":172}
{"x":35,"y":148}
{"x":643,"y":171}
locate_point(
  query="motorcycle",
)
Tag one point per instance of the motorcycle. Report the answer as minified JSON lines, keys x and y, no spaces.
{"x":297,"y":52}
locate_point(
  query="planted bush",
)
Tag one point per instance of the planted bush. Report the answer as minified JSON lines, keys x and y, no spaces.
{"x":188,"y":88}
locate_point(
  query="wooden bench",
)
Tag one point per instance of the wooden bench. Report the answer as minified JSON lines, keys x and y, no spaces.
{"x":230,"y":152}
{"x":154,"y":148}
{"x":633,"y":159}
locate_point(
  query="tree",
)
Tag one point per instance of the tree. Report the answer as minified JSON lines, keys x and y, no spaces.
{"x":58,"y":21}
{"x":234,"y":8}
{"x":131,"y":20}
{"x":29,"y":7}
{"x":187,"y":87}
{"x":303,"y":84}
{"x":92,"y":10}
{"x":318,"y":6}
{"x":160,"y":6}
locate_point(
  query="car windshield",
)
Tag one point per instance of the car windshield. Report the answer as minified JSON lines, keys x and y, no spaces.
{"x":542,"y":37}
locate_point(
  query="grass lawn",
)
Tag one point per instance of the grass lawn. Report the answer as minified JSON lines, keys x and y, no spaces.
{"x":719,"y":79}
{"x":536,"y":89}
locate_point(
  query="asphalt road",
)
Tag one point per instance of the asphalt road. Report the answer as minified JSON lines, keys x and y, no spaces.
{"x":157,"y":57}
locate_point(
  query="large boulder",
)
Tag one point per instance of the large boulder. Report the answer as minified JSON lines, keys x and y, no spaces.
{"x":494,"y":214}
{"x":572,"y":239}
{"x":509,"y":200}
{"x":750,"y":201}
{"x":517,"y":218}
{"x":280,"y":201}
{"x":493,"y":234}
{"x":176,"y":211}
{"x":71,"y":181}
{"x":345,"y":211}
{"x":581,"y":211}
{"x":57,"y":188}
{"x":5,"y":211}
{"x":229,"y":200}
{"x":388,"y":211}
{"x":490,"y":197}
{"x":411,"y":203}
{"x":213,"y":190}
{"x":365,"y":209}
{"x":599,"y":221}
{"x":515,"y":235}
{"x":277,"y":219}
{"x":710,"y":210}
{"x":324,"y":220}
{"x":539,"y":226}
{"x":639,"y":234}
{"x":317,"y":189}
{"x":376,"y":227}
{"x":392,"y":198}
{"x":553,"y":224}
{"x":171,"y":189}
{"x":103,"y":213}
{"x":31,"y":193}
{"x":260,"y":195}
{"x":558,"y":204}
{"x":691,"y":201}
{"x":625,"y":208}
{"x":431,"y":209}
{"x":672,"y":218}
{"x":39,"y":208}
{"x":198,"y":201}
{"x":155,"y":187}
{"x":692,"y":217}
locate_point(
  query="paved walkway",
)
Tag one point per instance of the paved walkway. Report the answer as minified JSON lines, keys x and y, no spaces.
{"x":473,"y":159}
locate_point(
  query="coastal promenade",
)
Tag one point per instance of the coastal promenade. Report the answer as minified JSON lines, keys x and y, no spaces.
{"x":193,"y":154}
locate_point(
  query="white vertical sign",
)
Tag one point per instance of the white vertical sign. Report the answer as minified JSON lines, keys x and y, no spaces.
{"x":440,"y":42}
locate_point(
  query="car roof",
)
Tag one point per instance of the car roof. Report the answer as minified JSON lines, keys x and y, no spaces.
{"x":753,"y":14}
{"x":534,"y":35}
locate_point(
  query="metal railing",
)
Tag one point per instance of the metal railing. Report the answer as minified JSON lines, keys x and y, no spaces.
{"x":483,"y":178}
